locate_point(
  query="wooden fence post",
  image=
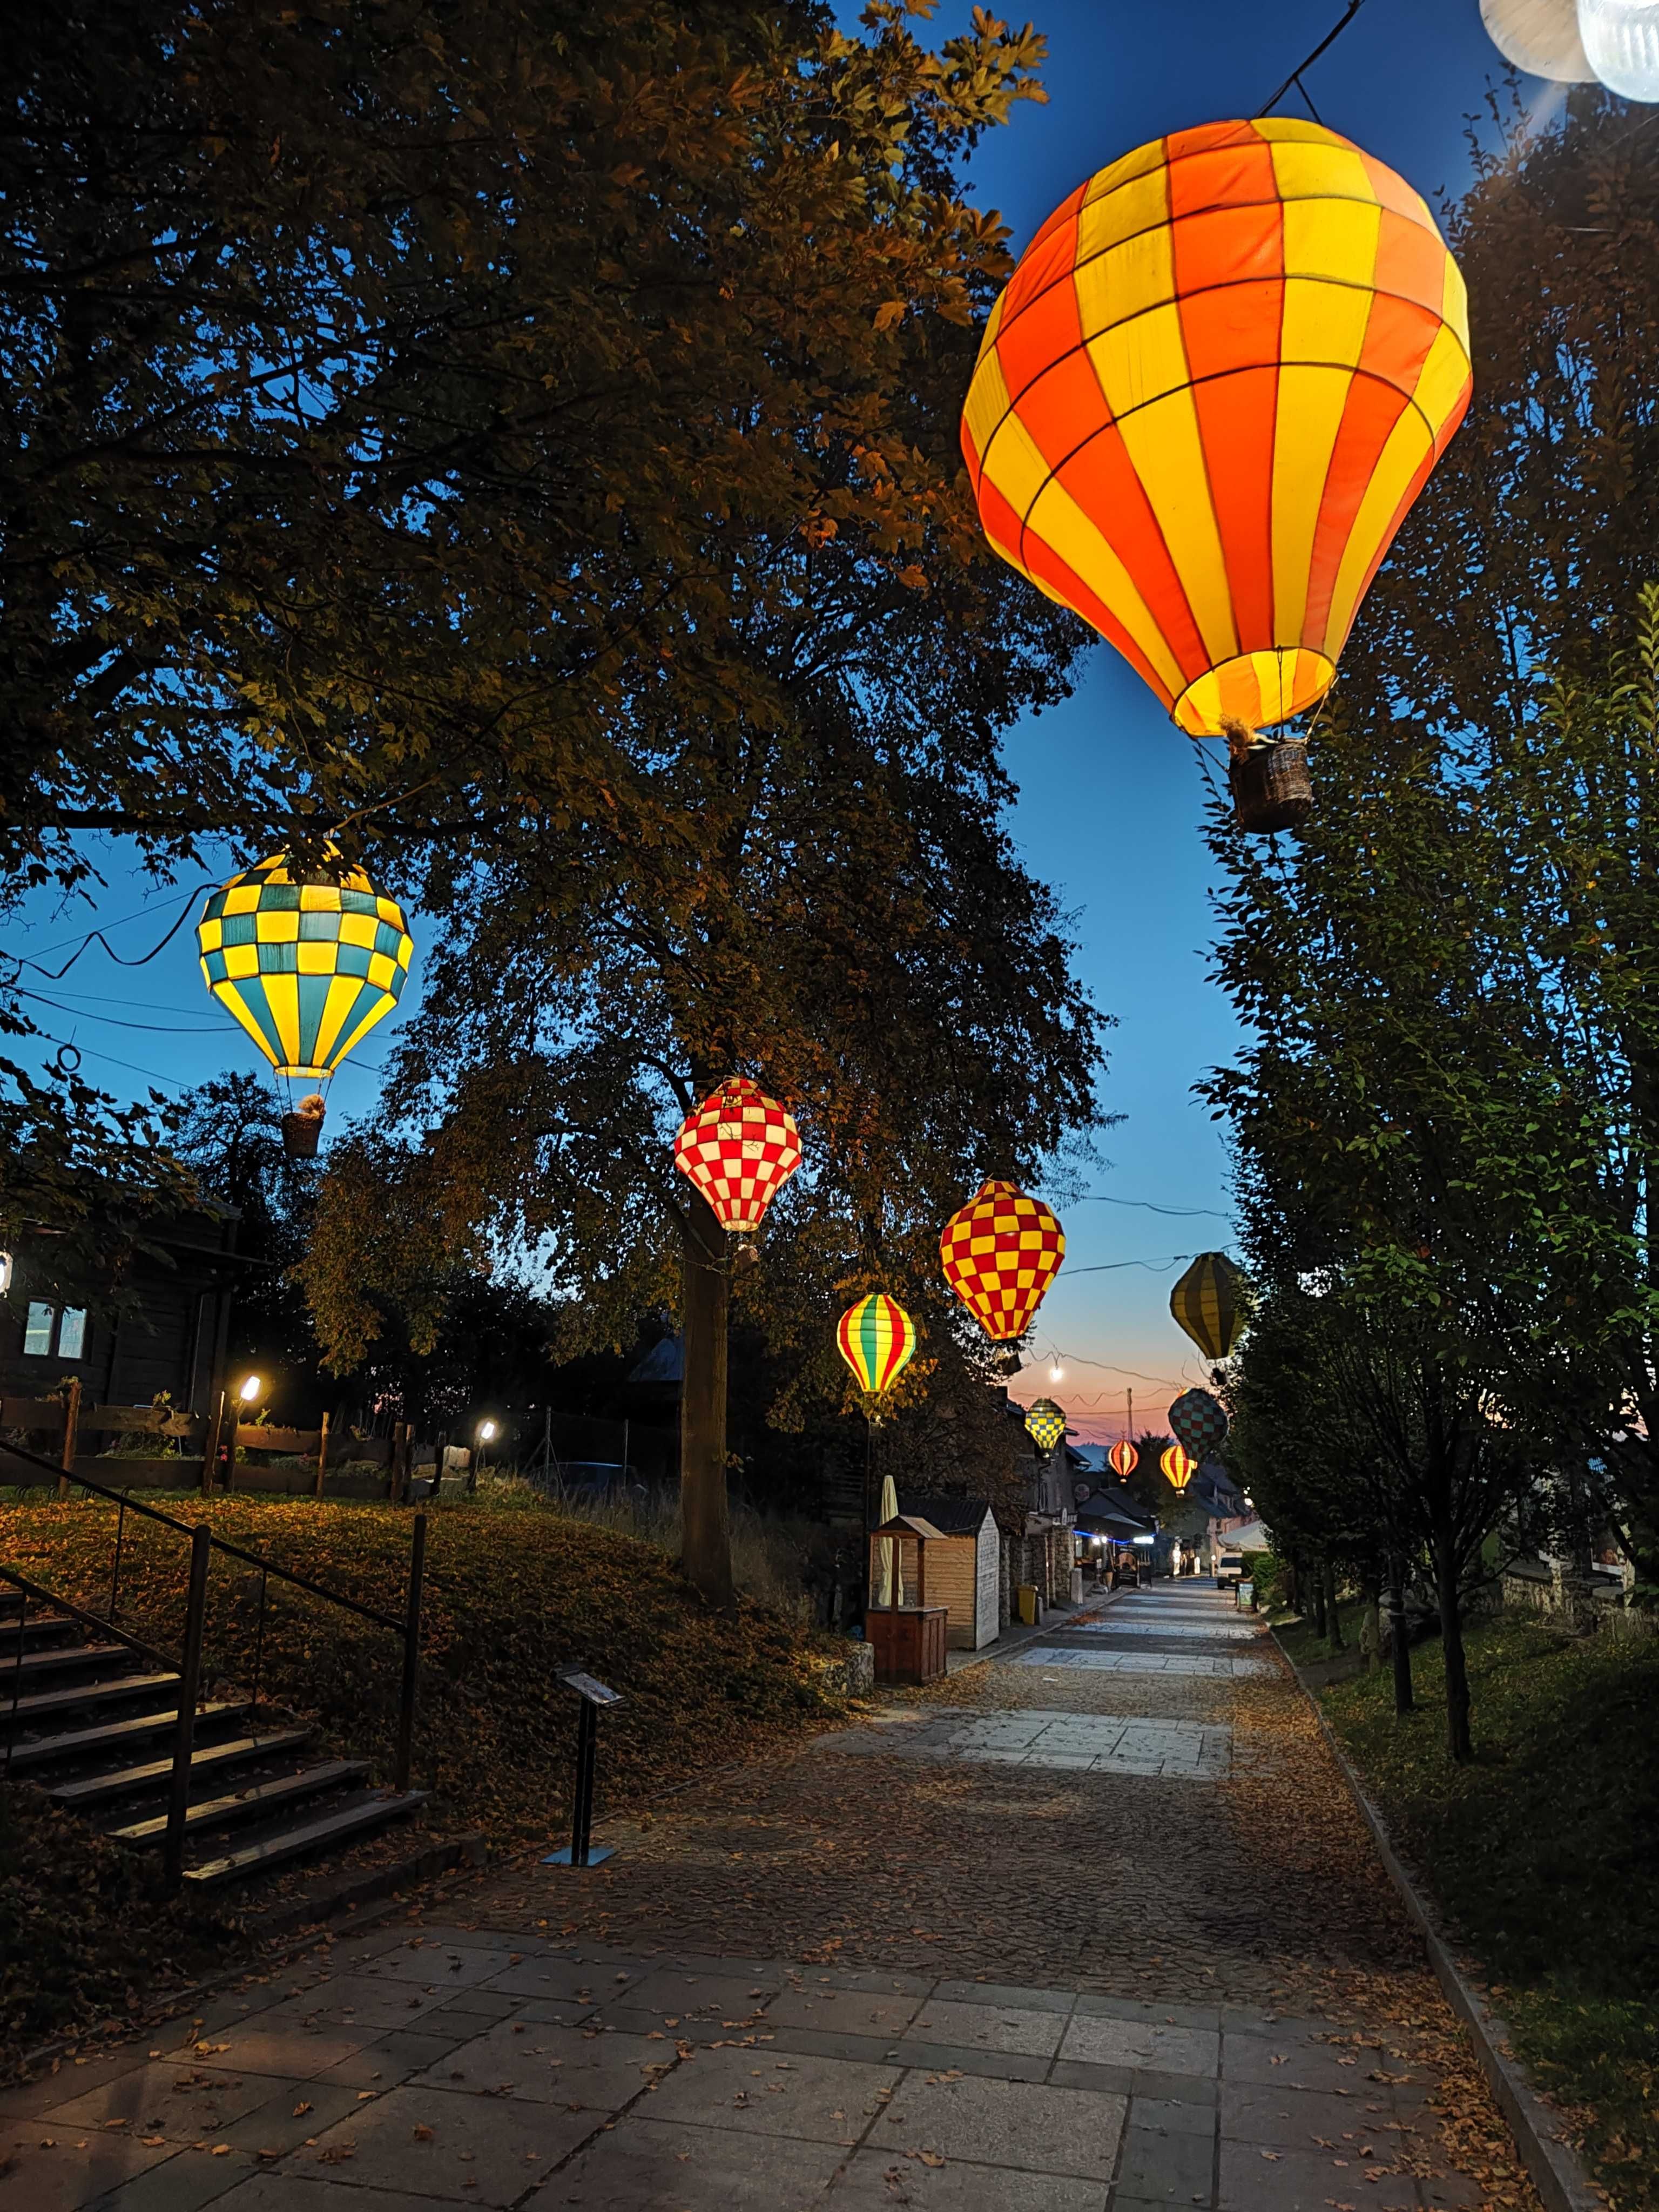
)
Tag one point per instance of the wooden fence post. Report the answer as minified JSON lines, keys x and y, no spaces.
{"x":322,"y":1454}
{"x":71,"y":1435}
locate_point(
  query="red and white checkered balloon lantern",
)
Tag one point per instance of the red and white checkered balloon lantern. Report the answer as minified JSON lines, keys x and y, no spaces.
{"x":739,"y":1147}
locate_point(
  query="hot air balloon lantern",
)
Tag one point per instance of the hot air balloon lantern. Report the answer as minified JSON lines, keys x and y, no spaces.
{"x":1178,"y":1466}
{"x":1123,"y":1460}
{"x":876,"y":1338}
{"x":1000,"y":1253}
{"x":1045,"y":1424}
{"x":1199,"y":1422}
{"x":308,"y":964}
{"x":1539,"y":36}
{"x":1205,"y":401}
{"x":1210,"y":1303}
{"x":739,"y":1147}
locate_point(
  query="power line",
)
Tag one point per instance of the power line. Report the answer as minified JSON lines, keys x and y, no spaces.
{"x":1179,"y":1213}
{"x":1295,"y":76}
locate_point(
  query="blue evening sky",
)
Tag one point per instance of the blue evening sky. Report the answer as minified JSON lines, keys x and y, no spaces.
{"x":1111,"y":797}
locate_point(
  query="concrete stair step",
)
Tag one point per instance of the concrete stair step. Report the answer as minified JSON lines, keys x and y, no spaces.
{"x":253,"y":1804}
{"x":205,"y":1759}
{"x":357,"y":1816}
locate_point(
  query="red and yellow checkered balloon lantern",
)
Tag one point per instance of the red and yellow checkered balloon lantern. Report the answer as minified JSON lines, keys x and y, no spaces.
{"x":1124,"y":1459}
{"x":1178,"y":1466}
{"x":739,"y":1147}
{"x":999,"y":1255}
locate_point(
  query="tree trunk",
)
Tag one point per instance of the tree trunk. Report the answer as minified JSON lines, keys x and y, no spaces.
{"x":705,"y":1530}
{"x":1398,"y":1642}
{"x":1316,"y":1585}
{"x":1459,"y":1743}
{"x":1334,"y":1608}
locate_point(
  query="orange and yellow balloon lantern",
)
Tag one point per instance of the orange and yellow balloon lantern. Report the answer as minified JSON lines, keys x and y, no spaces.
{"x":1045,"y":1424}
{"x":1207,"y":399}
{"x":1123,"y":1459}
{"x":739,"y":1147}
{"x":1178,"y":1467}
{"x":999,"y":1253}
{"x":876,"y":1338}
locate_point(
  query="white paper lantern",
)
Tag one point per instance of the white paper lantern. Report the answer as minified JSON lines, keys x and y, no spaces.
{"x":1621,"y":42}
{"x":1540,"y":37}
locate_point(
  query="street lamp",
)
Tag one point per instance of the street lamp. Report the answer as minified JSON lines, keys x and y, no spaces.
{"x":487,"y":1433}
{"x":249,"y":1388}
{"x":231,"y":1403}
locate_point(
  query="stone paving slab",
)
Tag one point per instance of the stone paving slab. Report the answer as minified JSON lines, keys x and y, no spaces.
{"x":1140,"y":1662}
{"x":1090,"y":1743}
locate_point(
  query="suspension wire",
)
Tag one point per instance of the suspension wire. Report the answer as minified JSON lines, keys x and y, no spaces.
{"x":1295,"y":76}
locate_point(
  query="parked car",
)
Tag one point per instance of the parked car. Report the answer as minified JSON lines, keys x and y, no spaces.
{"x":1230,"y":1570}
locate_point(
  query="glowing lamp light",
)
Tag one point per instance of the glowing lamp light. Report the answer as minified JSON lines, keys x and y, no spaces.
{"x":249,"y":1388}
{"x":999,"y":1253}
{"x":1045,"y":1424}
{"x":739,"y":1147}
{"x":1123,"y":1460}
{"x":1143,"y":1540}
{"x":1207,"y":399}
{"x":1621,"y":45}
{"x":487,"y":1433}
{"x":876,"y":1338}
{"x":1178,"y":1467}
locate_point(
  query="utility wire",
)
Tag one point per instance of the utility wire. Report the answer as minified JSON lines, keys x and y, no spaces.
{"x":1295,"y":76}
{"x":1181,"y":1212}
{"x":97,"y":937}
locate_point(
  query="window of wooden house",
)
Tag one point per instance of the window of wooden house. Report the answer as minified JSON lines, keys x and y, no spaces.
{"x":72,"y":1333}
{"x":37,"y":1330}
{"x":46,"y":1323}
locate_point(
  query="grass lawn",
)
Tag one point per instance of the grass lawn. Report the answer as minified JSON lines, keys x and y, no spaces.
{"x":1544,"y":1853}
{"x":512,"y":1597}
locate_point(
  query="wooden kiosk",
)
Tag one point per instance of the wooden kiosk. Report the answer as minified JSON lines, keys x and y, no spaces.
{"x":909,"y":1640}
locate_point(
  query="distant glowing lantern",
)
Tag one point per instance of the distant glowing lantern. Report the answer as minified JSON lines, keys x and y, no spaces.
{"x":1178,"y":1468}
{"x":307,"y":966}
{"x":739,"y":1147}
{"x":1210,"y":1304}
{"x":1124,"y":1459}
{"x":877,"y":1338}
{"x":1207,"y":399}
{"x":1539,"y":36}
{"x":1045,"y":1424}
{"x":999,"y":1253}
{"x":1200,"y":1422}
{"x":1621,"y":45}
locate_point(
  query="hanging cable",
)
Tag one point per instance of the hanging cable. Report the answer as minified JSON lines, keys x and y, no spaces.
{"x":1295,"y":76}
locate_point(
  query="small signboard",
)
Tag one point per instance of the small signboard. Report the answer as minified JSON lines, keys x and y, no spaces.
{"x":1246,"y":1595}
{"x":585,"y":1686}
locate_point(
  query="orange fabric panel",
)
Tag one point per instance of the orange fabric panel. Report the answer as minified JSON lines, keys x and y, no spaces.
{"x":1046,"y":565}
{"x":1042,"y":266}
{"x":1373,"y":411}
{"x":1043,"y":337}
{"x":1064,"y":407}
{"x":1238,"y":175}
{"x":1222,"y":246}
{"x":1101,"y":478}
{"x":1236,"y":419}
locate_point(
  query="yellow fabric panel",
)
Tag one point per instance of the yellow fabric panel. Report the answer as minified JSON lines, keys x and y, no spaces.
{"x":1293,"y":130}
{"x":242,"y":898}
{"x":1309,"y":172}
{"x":382,"y":971}
{"x":389,"y":910}
{"x":358,"y":928}
{"x":1441,"y":379}
{"x":1168,"y":454}
{"x":1455,"y":302}
{"x":405,"y":950}
{"x":241,"y":961}
{"x":317,"y":959}
{"x":1140,"y":205}
{"x":374,"y":1012}
{"x":1015,"y":466}
{"x":1310,"y":404}
{"x":1061,"y":522}
{"x":1255,"y":689}
{"x":209,"y":936}
{"x":1140,"y":360}
{"x":319,"y":898}
{"x":1323,"y":323}
{"x":1332,"y":238}
{"x":282,"y":998}
{"x":228,"y":995}
{"x":1126,"y":280}
{"x":1147,"y":160}
{"x":1408,"y":447}
{"x":279,"y":928}
{"x":993,"y":323}
{"x":986,"y":405}
{"x":342,"y":996}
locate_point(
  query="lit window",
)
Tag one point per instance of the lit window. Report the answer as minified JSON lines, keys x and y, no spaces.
{"x":37,"y":1330}
{"x":72,"y":1333}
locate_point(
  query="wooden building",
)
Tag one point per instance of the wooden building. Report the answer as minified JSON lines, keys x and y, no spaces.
{"x":964,"y":1565}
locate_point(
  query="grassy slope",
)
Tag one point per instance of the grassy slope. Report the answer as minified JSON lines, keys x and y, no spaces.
{"x":511,"y":1597}
{"x":1543,"y":1853}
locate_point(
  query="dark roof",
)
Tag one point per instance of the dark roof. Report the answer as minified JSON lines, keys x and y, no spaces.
{"x":1112,"y":1513}
{"x":951,"y":1516}
{"x":664,"y":1363}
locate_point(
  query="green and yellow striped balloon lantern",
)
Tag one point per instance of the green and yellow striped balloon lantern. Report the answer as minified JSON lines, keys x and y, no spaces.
{"x":1211,"y":1303}
{"x":307,"y":966}
{"x":876,"y":1338}
{"x":1045,"y":1424}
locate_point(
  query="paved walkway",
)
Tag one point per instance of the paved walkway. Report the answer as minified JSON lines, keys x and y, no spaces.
{"x":1057,"y":1935}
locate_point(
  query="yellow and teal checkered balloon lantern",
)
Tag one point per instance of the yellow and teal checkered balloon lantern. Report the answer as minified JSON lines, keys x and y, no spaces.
{"x":1045,"y":1424}
{"x":307,"y":966}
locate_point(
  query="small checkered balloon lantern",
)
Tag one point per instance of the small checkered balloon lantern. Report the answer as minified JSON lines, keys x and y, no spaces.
{"x":1200,"y":1423}
{"x":1045,"y":1424}
{"x":999,"y":1255}
{"x":1178,"y":1468}
{"x":739,"y":1147}
{"x":877,"y":1338}
{"x":1124,"y":1459}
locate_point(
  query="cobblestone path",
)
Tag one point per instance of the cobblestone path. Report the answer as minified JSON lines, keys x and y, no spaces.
{"x":1092,"y":1924}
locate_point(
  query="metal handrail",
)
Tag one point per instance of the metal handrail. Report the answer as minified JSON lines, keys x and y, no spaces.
{"x":92,"y":1620}
{"x":217,"y":1543}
